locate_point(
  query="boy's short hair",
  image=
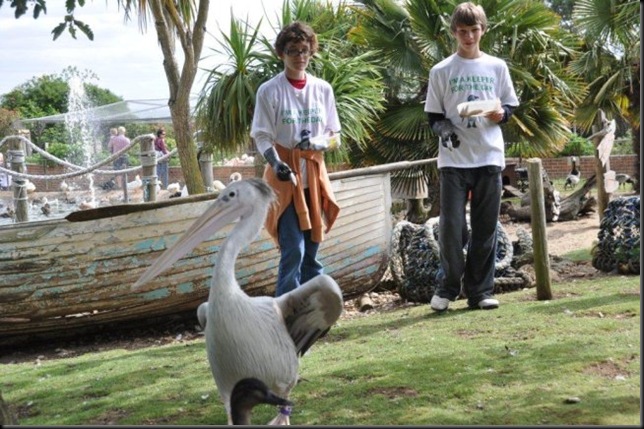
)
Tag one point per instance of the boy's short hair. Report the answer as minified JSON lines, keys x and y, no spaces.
{"x":468,"y":13}
{"x":296,"y":32}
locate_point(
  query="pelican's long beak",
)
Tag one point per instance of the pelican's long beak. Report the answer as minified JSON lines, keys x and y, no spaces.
{"x":218,"y":215}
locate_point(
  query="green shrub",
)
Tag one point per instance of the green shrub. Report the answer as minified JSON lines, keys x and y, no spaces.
{"x":577,"y":146}
{"x":70,"y":153}
{"x":623,"y":145}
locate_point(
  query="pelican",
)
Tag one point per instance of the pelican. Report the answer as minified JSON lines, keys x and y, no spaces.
{"x":218,"y":185}
{"x":173,"y":187}
{"x":30,"y":186}
{"x":248,"y":393}
{"x":136,"y":183}
{"x":252,"y":337}
{"x":85,"y":205}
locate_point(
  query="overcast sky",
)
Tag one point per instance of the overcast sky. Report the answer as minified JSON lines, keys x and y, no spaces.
{"x":127,"y":62}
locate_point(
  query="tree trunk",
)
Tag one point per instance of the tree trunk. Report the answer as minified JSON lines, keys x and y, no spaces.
{"x":170,"y":26}
{"x":185,"y":146}
{"x":600,"y":131}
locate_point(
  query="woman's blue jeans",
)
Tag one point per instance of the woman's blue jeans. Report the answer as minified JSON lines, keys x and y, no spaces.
{"x":298,"y":254}
{"x":162,"y":172}
{"x":476,"y":273}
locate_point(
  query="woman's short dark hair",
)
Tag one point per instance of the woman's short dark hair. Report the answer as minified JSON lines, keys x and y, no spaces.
{"x":296,"y":32}
{"x":160,"y":131}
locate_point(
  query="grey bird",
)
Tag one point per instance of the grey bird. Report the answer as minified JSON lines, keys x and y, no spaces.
{"x":249,"y":393}
{"x":252,"y":337}
{"x":623,"y":179}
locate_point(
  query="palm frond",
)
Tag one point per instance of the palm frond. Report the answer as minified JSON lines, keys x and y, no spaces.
{"x":225,"y":106}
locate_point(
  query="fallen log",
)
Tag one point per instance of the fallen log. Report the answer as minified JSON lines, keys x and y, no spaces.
{"x":570,"y":208}
{"x":365,"y":303}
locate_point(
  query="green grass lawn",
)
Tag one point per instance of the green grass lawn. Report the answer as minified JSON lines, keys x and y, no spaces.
{"x":572,"y":360}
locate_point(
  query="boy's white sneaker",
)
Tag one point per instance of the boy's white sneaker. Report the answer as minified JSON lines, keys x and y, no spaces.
{"x":439,"y":304}
{"x":488,"y":304}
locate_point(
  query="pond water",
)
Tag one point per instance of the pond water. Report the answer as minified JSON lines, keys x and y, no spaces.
{"x":55,"y":205}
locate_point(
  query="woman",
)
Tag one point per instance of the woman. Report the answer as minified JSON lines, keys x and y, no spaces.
{"x":292,"y":110}
{"x":161,"y":149}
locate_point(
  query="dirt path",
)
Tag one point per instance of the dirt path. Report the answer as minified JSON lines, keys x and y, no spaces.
{"x":563,"y":237}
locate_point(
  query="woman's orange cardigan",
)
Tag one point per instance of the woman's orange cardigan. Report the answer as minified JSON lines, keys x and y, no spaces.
{"x":322,"y":197}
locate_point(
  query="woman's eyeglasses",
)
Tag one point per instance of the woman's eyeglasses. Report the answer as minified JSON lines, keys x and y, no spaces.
{"x":297,"y":52}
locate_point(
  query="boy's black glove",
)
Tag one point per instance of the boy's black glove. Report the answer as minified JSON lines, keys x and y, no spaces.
{"x":281,"y":169}
{"x":446,"y":133}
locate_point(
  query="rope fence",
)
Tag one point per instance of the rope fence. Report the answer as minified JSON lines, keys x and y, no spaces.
{"x":149,"y":156}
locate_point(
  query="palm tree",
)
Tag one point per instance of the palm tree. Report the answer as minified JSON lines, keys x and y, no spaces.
{"x":610,"y":62}
{"x":226,"y":104}
{"x":414,"y":37}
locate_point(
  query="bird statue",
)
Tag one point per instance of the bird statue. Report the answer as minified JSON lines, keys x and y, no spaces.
{"x":249,"y":393}
{"x":574,"y":176}
{"x":259,"y":337}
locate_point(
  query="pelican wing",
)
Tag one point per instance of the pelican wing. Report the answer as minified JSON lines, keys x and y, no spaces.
{"x":310,"y":310}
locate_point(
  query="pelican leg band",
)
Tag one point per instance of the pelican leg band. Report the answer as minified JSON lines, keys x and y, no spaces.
{"x":286,"y":410}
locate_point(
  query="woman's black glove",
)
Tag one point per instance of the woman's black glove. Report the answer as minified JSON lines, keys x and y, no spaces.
{"x":281,"y":169}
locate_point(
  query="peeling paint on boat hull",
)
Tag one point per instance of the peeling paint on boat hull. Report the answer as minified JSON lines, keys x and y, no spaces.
{"x":59,"y":275}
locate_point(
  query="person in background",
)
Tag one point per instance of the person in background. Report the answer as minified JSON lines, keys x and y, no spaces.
{"x":113,"y":133}
{"x":161,"y":149}
{"x":5,"y":179}
{"x":116,"y":144}
{"x":291,"y":109}
{"x":470,"y":160}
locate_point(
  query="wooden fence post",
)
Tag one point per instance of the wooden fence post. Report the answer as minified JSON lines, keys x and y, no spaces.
{"x":19,"y":184}
{"x":205,"y":165}
{"x":538,"y":223}
{"x":149,"y":178}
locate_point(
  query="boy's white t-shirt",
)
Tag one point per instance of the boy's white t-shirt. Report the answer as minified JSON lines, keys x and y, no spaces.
{"x":457,"y":80}
{"x":282,"y":112}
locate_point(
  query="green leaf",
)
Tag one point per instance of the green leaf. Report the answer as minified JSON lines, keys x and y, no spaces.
{"x":58,"y":30}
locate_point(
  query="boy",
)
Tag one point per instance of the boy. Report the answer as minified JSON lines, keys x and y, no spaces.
{"x":470,"y":160}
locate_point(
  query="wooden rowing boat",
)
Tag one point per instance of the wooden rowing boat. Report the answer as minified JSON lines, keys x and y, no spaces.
{"x":62,"y":275}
